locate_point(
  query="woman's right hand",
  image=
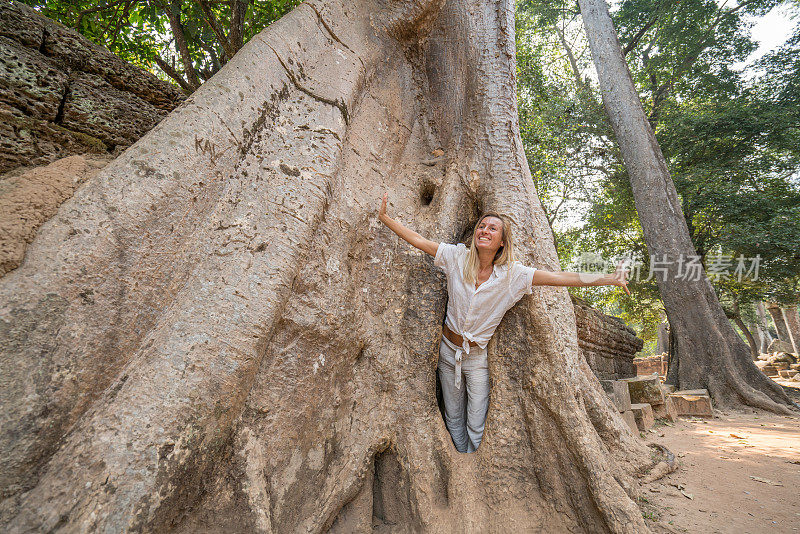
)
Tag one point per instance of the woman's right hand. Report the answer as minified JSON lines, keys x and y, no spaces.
{"x":410,"y":236}
{"x":382,"y":212}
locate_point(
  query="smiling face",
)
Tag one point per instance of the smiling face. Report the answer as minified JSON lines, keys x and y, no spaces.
{"x":489,"y":234}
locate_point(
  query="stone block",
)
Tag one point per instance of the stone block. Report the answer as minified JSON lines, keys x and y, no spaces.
{"x":668,"y":388}
{"x":95,"y":107}
{"x":645,"y":389}
{"x":617,"y":390}
{"x":651,"y":364}
{"x":27,"y":141}
{"x":778,"y":345}
{"x":607,"y":343}
{"x":643,"y":413}
{"x":18,"y":24}
{"x":770,"y":370}
{"x":701,"y":392}
{"x":630,"y":419}
{"x":30,"y":81}
{"x":784,"y":357}
{"x":666,"y":411}
{"x":692,"y":405}
{"x":61,"y":95}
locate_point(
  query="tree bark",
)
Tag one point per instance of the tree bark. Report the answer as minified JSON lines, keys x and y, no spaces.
{"x":238,"y":16}
{"x":710,"y":353}
{"x":737,"y":318}
{"x":217,"y":335}
{"x":792,"y":322}
{"x":662,"y":336}
{"x":763,"y":328}
{"x":763,"y":337}
{"x":747,"y":334}
{"x":778,"y":320}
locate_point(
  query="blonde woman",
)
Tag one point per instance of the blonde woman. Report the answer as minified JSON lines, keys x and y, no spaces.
{"x":483,"y":282}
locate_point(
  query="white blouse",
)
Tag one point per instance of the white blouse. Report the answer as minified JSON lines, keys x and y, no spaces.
{"x":475,"y":313}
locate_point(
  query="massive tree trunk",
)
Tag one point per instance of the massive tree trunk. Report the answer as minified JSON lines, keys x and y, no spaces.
{"x":709,"y":354}
{"x":217,"y":335}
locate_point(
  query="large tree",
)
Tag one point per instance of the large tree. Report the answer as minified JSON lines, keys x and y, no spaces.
{"x":217,"y":335}
{"x":709,"y":352}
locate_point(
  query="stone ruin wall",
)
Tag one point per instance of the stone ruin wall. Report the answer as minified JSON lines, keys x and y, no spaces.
{"x":658,"y":363}
{"x":67,"y":107}
{"x":61,"y":95}
{"x":608,"y":344}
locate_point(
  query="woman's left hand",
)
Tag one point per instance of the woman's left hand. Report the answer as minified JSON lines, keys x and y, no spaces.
{"x":620,"y":277}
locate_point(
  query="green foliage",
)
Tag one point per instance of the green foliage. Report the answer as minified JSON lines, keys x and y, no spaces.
{"x":731,"y":140}
{"x":687,"y":47}
{"x":561,"y":122}
{"x":130,"y":31}
{"x":782,"y":79}
{"x":152,"y":33}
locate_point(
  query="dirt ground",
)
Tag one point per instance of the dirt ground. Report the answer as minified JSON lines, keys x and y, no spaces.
{"x":738,"y":473}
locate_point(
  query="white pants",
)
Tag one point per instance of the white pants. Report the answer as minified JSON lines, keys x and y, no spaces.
{"x":465,"y":407}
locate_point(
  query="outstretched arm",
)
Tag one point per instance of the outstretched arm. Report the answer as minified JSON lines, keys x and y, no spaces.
{"x":412,"y":237}
{"x":548,"y":278}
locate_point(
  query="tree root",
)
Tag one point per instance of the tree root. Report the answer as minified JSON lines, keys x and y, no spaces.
{"x":664,"y":464}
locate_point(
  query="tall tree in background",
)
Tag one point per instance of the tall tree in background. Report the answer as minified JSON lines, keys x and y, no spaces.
{"x":186,"y":40}
{"x":572,"y":154}
{"x":709,"y":353}
{"x":729,"y":137}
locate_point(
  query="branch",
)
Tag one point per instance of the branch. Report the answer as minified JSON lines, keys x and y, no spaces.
{"x":215,"y":61}
{"x":108,"y":26}
{"x":636,"y":38}
{"x":663,"y":91}
{"x":209,"y":49}
{"x":172,"y":73}
{"x":555,"y":210}
{"x":238,"y":15}
{"x":124,"y":17}
{"x":573,"y":64}
{"x":211,"y":20}
{"x":181,"y":46}
{"x":206,"y":74}
{"x":93,"y":10}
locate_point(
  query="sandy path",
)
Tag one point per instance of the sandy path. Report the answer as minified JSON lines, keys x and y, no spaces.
{"x":718,"y":458}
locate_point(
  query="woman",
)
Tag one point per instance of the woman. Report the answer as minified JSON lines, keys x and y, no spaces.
{"x":483,"y":282}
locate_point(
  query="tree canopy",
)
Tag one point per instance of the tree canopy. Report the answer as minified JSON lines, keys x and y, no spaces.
{"x":730,"y":136}
{"x":187,"y":41}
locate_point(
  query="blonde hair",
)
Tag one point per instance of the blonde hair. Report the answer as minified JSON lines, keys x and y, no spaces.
{"x":503,"y":256}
